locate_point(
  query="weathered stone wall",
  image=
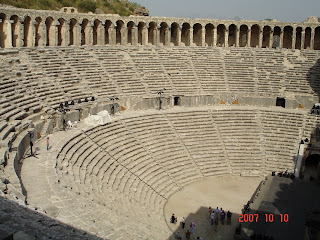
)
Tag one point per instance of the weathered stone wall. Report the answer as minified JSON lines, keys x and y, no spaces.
{"x":29,"y":28}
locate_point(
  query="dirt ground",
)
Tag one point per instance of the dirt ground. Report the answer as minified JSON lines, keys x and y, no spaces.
{"x":193,"y":201}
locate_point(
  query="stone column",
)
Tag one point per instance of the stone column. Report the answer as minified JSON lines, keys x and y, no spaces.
{"x":124,"y":35}
{"x":179,"y":35}
{"x":77,"y":34}
{"x":89,"y":33}
{"x":260,"y":38}
{"x":42,"y":34}
{"x":303,"y":37}
{"x":154,"y":36}
{"x":31,"y":34}
{"x":54,"y":26}
{"x":167,"y":36}
{"x":67,"y":33}
{"x":20,"y":26}
{"x":249,"y":38}
{"x":8,"y":27}
{"x":271,"y":39}
{"x":144,"y":40}
{"x":157,"y":42}
{"x":134,"y":30}
{"x":203,"y":36}
{"x":101,"y":36}
{"x":215,"y":36}
{"x":281,"y":39}
{"x":312,"y":39}
{"x":110,"y":34}
{"x":226,"y":38}
{"x":190,"y":36}
{"x":237,"y":37}
{"x":113,"y":34}
{"x":293,"y":44}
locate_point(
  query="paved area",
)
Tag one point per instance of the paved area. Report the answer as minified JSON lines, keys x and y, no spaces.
{"x":192,"y":202}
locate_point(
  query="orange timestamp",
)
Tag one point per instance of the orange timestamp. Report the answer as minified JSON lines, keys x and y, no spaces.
{"x":268,"y":217}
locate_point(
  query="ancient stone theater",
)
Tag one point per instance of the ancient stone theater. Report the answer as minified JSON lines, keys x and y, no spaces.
{"x":106,"y":120}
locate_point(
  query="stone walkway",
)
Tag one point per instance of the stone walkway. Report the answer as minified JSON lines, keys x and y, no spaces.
{"x":192,"y":202}
{"x":44,"y":192}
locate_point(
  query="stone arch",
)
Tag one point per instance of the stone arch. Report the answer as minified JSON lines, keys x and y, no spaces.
{"x":50,"y":31}
{"x":298,"y":38}
{"x":27,"y":32}
{"x":84,"y":31}
{"x":232,"y":36}
{"x":108,"y":32}
{"x":209,"y":36}
{"x":185,"y":34}
{"x":197,"y":34}
{"x":307,"y":38}
{"x":119,"y":32}
{"x":62,"y":32}
{"x":243,"y":36}
{"x":72,"y":36}
{"x":152,"y":33}
{"x":287,"y":37}
{"x":163,"y":33}
{"x":15,"y":31}
{"x":96,"y":32}
{"x":221,"y":32}
{"x":276,"y":37}
{"x":142,"y":34}
{"x":255,"y":36}
{"x":130,"y":27}
{"x":317,"y":38}
{"x":266,"y":36}
{"x":175,"y":33}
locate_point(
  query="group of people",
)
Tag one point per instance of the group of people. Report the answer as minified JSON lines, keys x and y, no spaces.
{"x":216,"y":215}
{"x":177,"y":234}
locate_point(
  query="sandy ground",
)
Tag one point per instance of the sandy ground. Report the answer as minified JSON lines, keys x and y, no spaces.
{"x":193,"y":201}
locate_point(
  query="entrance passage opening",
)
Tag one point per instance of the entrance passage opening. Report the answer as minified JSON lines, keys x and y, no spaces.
{"x":177,"y":101}
{"x":281,"y":102}
{"x":312,"y":167}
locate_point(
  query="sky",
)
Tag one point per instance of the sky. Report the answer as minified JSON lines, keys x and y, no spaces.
{"x":282,"y":10}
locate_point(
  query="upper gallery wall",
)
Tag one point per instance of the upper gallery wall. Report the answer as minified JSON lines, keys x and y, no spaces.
{"x":67,"y":27}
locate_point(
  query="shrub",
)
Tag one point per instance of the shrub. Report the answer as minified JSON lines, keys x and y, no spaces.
{"x":88,"y":5}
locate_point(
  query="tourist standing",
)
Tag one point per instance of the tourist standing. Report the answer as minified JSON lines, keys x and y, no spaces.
{"x":48,"y":143}
{"x":229,"y":215}
{"x":222,"y":217}
{"x":183,"y":222}
{"x":212,"y":218}
{"x":173,"y":218}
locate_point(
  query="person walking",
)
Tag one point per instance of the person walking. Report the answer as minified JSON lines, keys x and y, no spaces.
{"x":193,"y":225}
{"x":48,"y":143}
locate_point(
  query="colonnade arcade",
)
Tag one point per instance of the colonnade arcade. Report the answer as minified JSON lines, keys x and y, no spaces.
{"x":28,"y":31}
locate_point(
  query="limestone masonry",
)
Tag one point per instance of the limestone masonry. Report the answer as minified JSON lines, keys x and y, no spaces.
{"x":236,"y":100}
{"x":30,"y":28}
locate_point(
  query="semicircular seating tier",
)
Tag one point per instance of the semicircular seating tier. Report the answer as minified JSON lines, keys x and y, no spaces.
{"x":35,"y":80}
{"x":135,"y":164}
